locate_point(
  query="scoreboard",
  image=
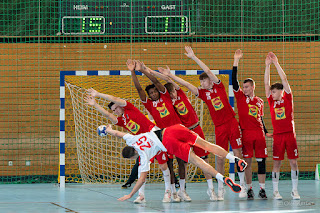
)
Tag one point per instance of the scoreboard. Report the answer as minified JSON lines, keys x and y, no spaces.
{"x":124,"y":17}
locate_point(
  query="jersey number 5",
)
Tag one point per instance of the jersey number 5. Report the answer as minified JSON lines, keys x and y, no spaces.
{"x":143,"y":143}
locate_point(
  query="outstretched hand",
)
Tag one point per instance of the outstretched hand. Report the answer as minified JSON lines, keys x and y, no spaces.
{"x":131,"y":64}
{"x":90,"y":100}
{"x":238,"y":54}
{"x":189,"y":52}
{"x":140,"y":66}
{"x":273,"y":57}
{"x":164,"y":71}
{"x":92,"y":92}
{"x":268,"y":60}
{"x":126,"y":197}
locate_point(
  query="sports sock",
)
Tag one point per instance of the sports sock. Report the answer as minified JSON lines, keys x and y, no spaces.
{"x":166,"y":177}
{"x":241,"y":177}
{"x":173,"y":188}
{"x":275,"y":181}
{"x":262,"y":185}
{"x":210,"y":184}
{"x":294,"y":179}
{"x":182,"y":183}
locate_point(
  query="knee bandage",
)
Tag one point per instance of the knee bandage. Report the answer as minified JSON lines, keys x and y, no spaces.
{"x":261,"y":165}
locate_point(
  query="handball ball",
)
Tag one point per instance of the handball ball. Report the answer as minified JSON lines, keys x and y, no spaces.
{"x":102,"y":130}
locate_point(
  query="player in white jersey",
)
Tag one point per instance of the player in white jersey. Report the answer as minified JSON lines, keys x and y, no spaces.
{"x":177,"y":140}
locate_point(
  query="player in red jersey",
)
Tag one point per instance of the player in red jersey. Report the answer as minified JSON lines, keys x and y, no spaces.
{"x":213,"y":93}
{"x":130,"y":118}
{"x":250,"y":110}
{"x":160,"y":107}
{"x":280,"y":100}
{"x":178,"y":140}
{"x":188,"y":117}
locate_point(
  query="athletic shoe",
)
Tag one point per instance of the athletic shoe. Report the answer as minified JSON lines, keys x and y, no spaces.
{"x":212,"y":195}
{"x":277,"y":196}
{"x":243,"y":192}
{"x":126,"y":185}
{"x":175,"y":198}
{"x":262,"y":194}
{"x":242,"y":164}
{"x":184,"y":196}
{"x":233,"y":186}
{"x":250,"y":194}
{"x":295,"y":195}
{"x":140,"y":199}
{"x":221,"y":194}
{"x":167,"y":197}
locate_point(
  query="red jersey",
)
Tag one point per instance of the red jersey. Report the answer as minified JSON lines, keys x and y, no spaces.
{"x":133,"y":120}
{"x":250,"y":111}
{"x":282,"y":113}
{"x":184,"y":109}
{"x":218,"y":103}
{"x":162,"y":110}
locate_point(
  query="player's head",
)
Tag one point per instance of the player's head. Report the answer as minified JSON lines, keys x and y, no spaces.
{"x":205,"y":81}
{"x":248,"y":87}
{"x":276,"y":91}
{"x":118,"y":110}
{"x":152,"y":92}
{"x":129,"y":152}
{"x":172,"y":91}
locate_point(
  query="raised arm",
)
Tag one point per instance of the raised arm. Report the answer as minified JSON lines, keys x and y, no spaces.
{"x":167,"y":78}
{"x":189,"y":53}
{"x":237,"y":56}
{"x":131,"y":66}
{"x":281,"y":73}
{"x":145,"y":70}
{"x":191,"y":87}
{"x":267,"y":76}
{"x":92,"y":102}
{"x":111,"y":98}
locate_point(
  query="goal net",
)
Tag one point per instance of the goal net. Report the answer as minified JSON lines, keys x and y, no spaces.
{"x":90,"y":158}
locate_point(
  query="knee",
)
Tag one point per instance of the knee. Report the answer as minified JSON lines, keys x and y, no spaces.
{"x":261,"y":165}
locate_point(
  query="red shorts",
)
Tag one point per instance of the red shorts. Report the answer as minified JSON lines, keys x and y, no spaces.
{"x":162,"y":157}
{"x":178,"y":140}
{"x":254,"y":140}
{"x":229,"y":131}
{"x":285,"y":141}
{"x":197,"y":150}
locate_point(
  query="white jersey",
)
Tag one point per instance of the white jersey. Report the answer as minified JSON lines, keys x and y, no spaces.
{"x":147,"y":145}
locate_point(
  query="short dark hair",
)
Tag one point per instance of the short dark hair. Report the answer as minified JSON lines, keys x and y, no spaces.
{"x":149,"y":87}
{"x":169,"y":87}
{"x":277,"y":85}
{"x":128,"y":152}
{"x":203,"y":76}
{"x":249,"y":80}
{"x":110,"y":105}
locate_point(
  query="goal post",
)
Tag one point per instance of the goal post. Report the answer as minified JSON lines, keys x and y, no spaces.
{"x":86,"y":157}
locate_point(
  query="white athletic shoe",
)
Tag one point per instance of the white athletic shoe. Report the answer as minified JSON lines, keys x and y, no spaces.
{"x":277,"y":196}
{"x":243,"y":192}
{"x":140,"y":199}
{"x":175,"y":198}
{"x":220,"y":194}
{"x":212,"y":195}
{"x":295,"y":195}
{"x":184,"y":196}
{"x":167,"y":197}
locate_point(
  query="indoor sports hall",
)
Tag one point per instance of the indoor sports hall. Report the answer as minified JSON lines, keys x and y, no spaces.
{"x":52,"y":51}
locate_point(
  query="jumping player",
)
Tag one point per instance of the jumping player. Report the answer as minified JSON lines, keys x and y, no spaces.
{"x":280,"y":100}
{"x":177,"y":140}
{"x":130,"y":118}
{"x":250,"y":110}
{"x":213,"y":93}
{"x":160,"y":107}
{"x":189,"y":118}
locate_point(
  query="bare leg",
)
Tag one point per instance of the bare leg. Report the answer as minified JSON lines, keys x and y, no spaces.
{"x":248,"y":171}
